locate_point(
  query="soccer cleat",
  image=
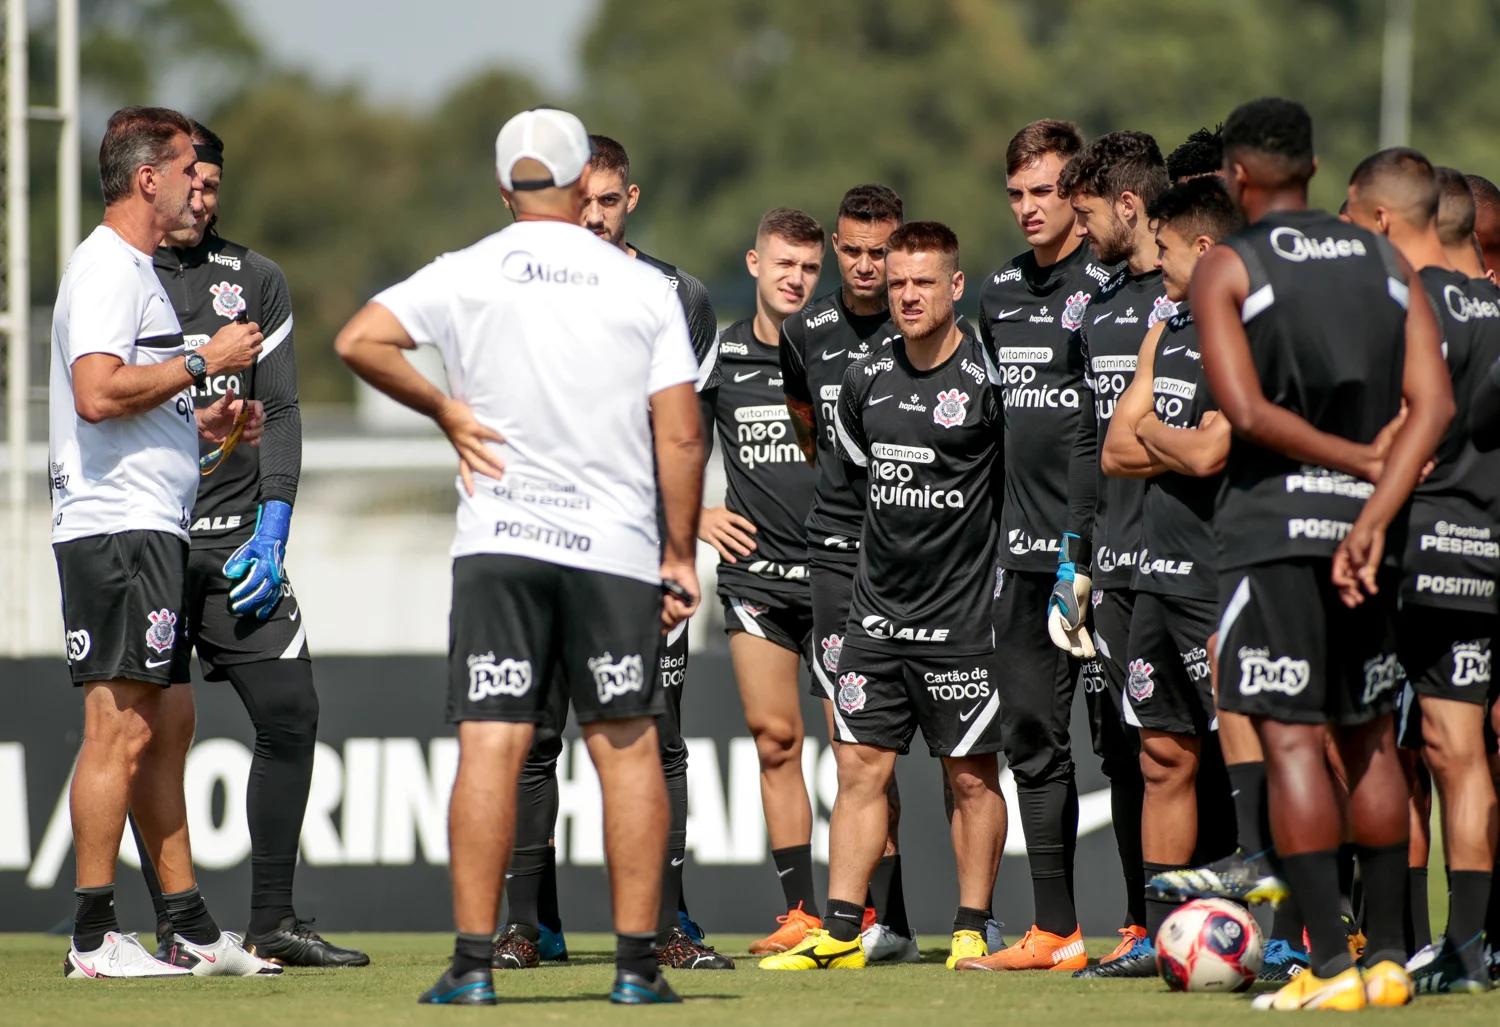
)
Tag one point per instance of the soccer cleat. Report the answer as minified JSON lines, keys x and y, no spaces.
{"x":1345,"y":991}
{"x":1037,"y":950}
{"x":631,"y":989}
{"x":818,"y":951}
{"x":681,"y":952}
{"x":1281,"y":962}
{"x":993,"y":939}
{"x":1388,"y":984}
{"x":794,"y":927}
{"x":1237,"y":877}
{"x":1446,"y":974}
{"x":1138,"y":961}
{"x":869,"y":921}
{"x":966,"y":945}
{"x":1424,"y":956}
{"x":1355,"y":936}
{"x":1128,"y":937}
{"x":514,"y":951}
{"x":121,"y":955}
{"x":475,"y":988}
{"x":225,"y":957}
{"x":690,"y":927}
{"x":553,"y":947}
{"x":883,"y":945}
{"x":295,"y":943}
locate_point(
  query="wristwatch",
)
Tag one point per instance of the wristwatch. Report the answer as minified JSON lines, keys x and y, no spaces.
{"x":198,"y":368}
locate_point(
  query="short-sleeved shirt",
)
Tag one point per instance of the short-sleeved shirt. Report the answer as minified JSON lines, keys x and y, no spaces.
{"x":557,"y":341}
{"x":137,"y":473}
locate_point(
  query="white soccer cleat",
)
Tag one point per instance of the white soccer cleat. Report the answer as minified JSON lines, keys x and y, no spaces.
{"x":1424,"y":956}
{"x":121,"y":955}
{"x":883,"y":945}
{"x":226,"y":957}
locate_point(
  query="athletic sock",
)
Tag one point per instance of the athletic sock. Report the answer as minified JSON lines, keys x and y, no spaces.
{"x":842,"y":920}
{"x":671,"y":876}
{"x":190,"y":917}
{"x":1158,"y":909}
{"x":1043,"y":815}
{"x":636,"y":952}
{"x":1467,"y":907}
{"x":153,"y":882}
{"x":794,"y":865}
{"x":93,"y":916}
{"x":1247,"y":785}
{"x":969,"y":919}
{"x":1349,"y":887}
{"x":1126,"y":791}
{"x":1286,"y":922}
{"x":888,"y":897}
{"x":471,"y":952}
{"x":547,"y":914}
{"x":667,"y":920}
{"x":1383,"y":878}
{"x":1417,"y":926}
{"x":1314,"y":880}
{"x":1070,"y":840}
{"x":523,"y":885}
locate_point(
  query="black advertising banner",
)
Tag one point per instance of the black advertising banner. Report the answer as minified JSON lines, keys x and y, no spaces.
{"x":374,"y":841}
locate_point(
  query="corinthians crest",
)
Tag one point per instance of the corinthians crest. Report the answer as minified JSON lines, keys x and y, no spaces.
{"x":228,"y":300}
{"x":950,"y":410}
{"x":852,"y":692}
{"x":1072,"y":315}
{"x":162,"y":634}
{"x":833,"y":647}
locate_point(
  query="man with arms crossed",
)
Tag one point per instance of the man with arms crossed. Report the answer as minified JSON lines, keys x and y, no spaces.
{"x":574,"y":361}
{"x":760,"y":536}
{"x":1310,"y":347}
{"x":123,"y":473}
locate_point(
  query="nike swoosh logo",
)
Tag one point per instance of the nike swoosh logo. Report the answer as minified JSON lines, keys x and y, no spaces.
{"x":783,"y":873}
{"x":158,"y":663}
{"x":846,"y":916}
{"x":294,"y":613}
{"x":1006,"y":313}
{"x":964,"y":717}
{"x":882,"y":399}
{"x":679,"y":862}
{"x":1172,"y":349}
{"x":745,"y":377}
{"x":85,"y":968}
{"x":201,"y":954}
{"x":1101,"y":317}
{"x":829,"y":356}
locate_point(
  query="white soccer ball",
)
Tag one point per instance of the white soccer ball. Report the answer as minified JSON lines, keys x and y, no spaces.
{"x":1209,"y":945}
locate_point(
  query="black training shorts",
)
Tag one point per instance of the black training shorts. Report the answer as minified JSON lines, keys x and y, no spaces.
{"x":224,"y":640}
{"x":1167,"y":683}
{"x":832,"y":595}
{"x":780,"y":617}
{"x":881,"y":700}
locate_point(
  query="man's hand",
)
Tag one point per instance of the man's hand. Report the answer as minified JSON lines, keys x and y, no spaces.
{"x":233,"y":348}
{"x":256,"y":565}
{"x":1357,"y":561}
{"x":216,"y":420}
{"x":673,"y":609}
{"x":727,"y":532}
{"x":469,"y":438}
{"x":1070,"y":596}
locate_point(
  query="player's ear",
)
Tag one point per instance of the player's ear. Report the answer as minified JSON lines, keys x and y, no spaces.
{"x":1203,"y":244}
{"x":632,"y":197}
{"x":958,"y":286}
{"x":752,"y":262}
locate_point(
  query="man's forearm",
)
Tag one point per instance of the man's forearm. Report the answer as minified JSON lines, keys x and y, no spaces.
{"x":1196,"y":452}
{"x":679,"y":475}
{"x":1278,"y":429}
{"x":804,"y":428}
{"x":385,"y":367}
{"x":1124,"y":454}
{"x":125,"y":391}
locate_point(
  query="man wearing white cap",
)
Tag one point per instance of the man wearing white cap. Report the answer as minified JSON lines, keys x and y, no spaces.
{"x":570,"y":372}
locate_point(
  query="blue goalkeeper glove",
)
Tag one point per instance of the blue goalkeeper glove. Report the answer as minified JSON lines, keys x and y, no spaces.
{"x":257,"y":563}
{"x":1070,"y":596}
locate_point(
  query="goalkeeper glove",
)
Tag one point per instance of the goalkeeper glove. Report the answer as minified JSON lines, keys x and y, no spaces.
{"x":257,"y":563}
{"x":1070,"y":595}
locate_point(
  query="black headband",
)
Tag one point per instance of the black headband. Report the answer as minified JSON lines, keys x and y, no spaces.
{"x":209,"y":154}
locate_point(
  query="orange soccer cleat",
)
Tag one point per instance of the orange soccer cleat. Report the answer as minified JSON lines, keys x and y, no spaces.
{"x":794,"y":928}
{"x":1128,"y":937}
{"x":1037,"y":950}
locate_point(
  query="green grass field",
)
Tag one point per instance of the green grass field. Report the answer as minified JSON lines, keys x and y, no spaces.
{"x":33,"y":991}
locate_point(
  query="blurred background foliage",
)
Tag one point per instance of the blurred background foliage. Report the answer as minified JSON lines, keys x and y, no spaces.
{"x":731,"y":107}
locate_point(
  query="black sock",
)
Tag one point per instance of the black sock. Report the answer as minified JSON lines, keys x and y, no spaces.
{"x":1247,"y":784}
{"x":547,"y":914}
{"x":190,"y":916}
{"x":94,"y":915}
{"x":1043,"y":815}
{"x":970,"y":919}
{"x":1349,"y":883}
{"x":1468,"y":903}
{"x":794,"y":865}
{"x":1126,"y":791}
{"x":471,"y":952}
{"x":1492,"y":918}
{"x":1383,"y":879}
{"x":523,"y":885}
{"x":889,"y":897}
{"x":1158,"y":909}
{"x":531,"y":890}
{"x":1417,"y":925}
{"x":283,"y":705}
{"x":153,"y":884}
{"x":1070,"y":838}
{"x":667,"y":920}
{"x":1314,"y":880}
{"x":671,"y":877}
{"x":1218,"y":816}
{"x":637,"y":954}
{"x":1286,"y":923}
{"x":842,"y":920}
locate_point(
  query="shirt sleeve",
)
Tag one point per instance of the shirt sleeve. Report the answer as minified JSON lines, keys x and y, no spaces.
{"x":276,"y":387}
{"x":1083,"y":463}
{"x":703,"y":330}
{"x":421,"y":303}
{"x":848,"y":425}
{"x":672,"y":359}
{"x":106,"y":308}
{"x":793,"y":370}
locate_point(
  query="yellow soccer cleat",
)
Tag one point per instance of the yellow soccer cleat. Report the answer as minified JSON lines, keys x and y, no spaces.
{"x":818,"y":951}
{"x":1388,"y":984}
{"x":1345,"y":992}
{"x":967,"y":945}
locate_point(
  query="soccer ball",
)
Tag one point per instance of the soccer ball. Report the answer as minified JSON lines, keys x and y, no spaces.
{"x":1209,"y":945}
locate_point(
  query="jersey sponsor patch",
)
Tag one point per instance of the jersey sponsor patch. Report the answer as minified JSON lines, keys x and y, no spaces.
{"x":1139,"y":683}
{"x":78,"y":645}
{"x":162,"y":634}
{"x":488,"y":676}
{"x":1259,"y":673}
{"x":1290,"y":244}
{"x":1382,"y":674}
{"x":228,"y":299}
{"x":1471,"y":664}
{"x":1450,"y":585}
{"x":1073,"y":309}
{"x":950,"y":410}
{"x":616,"y":677}
{"x":851,"y":693}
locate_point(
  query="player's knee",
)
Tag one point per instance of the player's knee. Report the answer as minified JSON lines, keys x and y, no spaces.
{"x":862,"y":774}
{"x":778,"y":742}
{"x":970,"y":783}
{"x":292,"y":720}
{"x":1167,"y":763}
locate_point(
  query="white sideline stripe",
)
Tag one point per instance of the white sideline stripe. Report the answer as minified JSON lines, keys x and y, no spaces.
{"x":710,"y":361}
{"x":1101,"y":645}
{"x":275,"y":339}
{"x":676,"y":633}
{"x":1234,"y":607}
{"x":1256,"y":303}
{"x":856,"y":455}
{"x":839,"y":727}
{"x":976,"y":729}
{"x":747,"y":619}
{"x":1129,"y":712}
{"x":298,"y":641}
{"x":1399,"y":291}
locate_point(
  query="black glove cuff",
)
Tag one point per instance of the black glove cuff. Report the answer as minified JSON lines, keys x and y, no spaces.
{"x":1078,"y":551}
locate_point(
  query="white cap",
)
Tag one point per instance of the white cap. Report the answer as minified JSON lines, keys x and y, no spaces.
{"x":555,"y":139}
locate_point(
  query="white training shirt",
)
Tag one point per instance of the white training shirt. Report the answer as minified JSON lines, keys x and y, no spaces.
{"x":135,"y":473}
{"x":557,"y":341}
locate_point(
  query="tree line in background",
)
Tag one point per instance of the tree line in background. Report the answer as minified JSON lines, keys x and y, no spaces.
{"x":733,"y":107}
